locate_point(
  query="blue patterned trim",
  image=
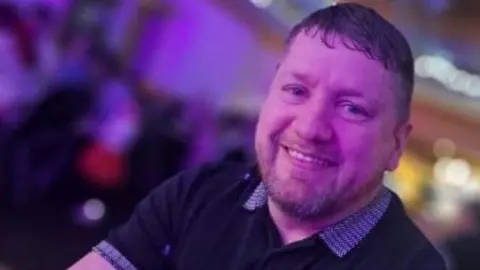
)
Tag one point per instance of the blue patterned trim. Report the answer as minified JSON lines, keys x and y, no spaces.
{"x":342,"y":237}
{"x":113,"y":256}
{"x":345,"y":235}
{"x":257,"y":199}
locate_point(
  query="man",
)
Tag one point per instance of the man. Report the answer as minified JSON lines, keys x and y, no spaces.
{"x":335,"y":119}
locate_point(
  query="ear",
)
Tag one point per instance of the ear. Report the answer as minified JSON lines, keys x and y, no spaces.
{"x":402,"y":133}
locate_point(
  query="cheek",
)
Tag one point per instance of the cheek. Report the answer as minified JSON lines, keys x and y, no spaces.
{"x":363,"y":149}
{"x":272,"y":123}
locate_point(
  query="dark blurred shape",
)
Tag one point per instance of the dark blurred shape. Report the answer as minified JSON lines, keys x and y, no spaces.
{"x":232,"y":120}
{"x":8,"y":15}
{"x":60,"y":110}
{"x":23,"y":33}
{"x":161,"y":147}
{"x":40,"y":152}
{"x":463,"y":251}
{"x":74,"y":66}
{"x":106,"y":61}
{"x":44,"y":14}
{"x":237,"y":155}
{"x":235,"y":135}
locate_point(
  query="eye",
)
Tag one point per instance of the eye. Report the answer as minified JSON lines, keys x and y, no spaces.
{"x":353,"y":112}
{"x":295,"y":93}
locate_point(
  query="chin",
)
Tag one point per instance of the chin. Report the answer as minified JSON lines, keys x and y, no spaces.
{"x":305,"y":207}
{"x":288,"y":188}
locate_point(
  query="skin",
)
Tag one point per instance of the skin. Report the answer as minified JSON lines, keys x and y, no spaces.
{"x":336,"y":106}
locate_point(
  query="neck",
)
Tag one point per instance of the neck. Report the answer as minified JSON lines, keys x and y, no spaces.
{"x":293,"y":229}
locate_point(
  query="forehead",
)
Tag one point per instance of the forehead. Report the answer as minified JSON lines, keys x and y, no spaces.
{"x":339,"y":66}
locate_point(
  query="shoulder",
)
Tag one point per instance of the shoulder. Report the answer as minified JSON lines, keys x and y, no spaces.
{"x":398,"y":235}
{"x":211,"y":179}
{"x":416,"y":250}
{"x":195,"y":192}
{"x":428,"y":258}
{"x":218,"y":174}
{"x":163,"y":216}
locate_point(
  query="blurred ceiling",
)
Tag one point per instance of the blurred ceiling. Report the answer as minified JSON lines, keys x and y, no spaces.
{"x":456,"y":19}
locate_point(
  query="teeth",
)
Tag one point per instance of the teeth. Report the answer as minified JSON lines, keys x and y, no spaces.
{"x":303,"y":157}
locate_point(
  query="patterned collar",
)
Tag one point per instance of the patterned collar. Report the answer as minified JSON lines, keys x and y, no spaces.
{"x":342,"y":237}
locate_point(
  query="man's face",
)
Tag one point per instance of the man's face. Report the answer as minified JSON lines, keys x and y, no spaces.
{"x":328,"y":129}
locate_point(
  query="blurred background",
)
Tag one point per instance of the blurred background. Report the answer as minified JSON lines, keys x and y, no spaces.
{"x":101,"y":100}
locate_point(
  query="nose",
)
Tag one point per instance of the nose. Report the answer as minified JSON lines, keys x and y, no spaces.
{"x":314,"y":125}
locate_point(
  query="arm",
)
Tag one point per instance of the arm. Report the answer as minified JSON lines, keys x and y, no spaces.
{"x":92,"y":261}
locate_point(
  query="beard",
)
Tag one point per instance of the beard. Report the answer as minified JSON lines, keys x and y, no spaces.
{"x":310,"y":205}
{"x":305,"y":199}
{"x":307,"y":203}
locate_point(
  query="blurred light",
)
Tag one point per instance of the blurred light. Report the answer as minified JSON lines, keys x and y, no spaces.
{"x":458,"y":172}
{"x":444,"y":148}
{"x":446,"y":210}
{"x":439,"y":168}
{"x":261,"y":3}
{"x":445,"y":72}
{"x":471,"y":190}
{"x":409,"y":179}
{"x":453,"y":172}
{"x":94,"y":209}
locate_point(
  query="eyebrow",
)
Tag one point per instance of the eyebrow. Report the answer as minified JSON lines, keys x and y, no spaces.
{"x":311,"y":81}
{"x":349,"y":92}
{"x":304,"y":78}
{"x":343,"y":92}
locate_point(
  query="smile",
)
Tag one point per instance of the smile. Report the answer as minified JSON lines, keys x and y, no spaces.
{"x":308,"y":158}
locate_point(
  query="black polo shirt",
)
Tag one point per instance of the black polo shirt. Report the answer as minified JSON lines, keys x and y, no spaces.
{"x":216,"y":217}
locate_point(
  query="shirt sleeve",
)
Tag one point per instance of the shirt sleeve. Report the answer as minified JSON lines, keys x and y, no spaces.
{"x":146,"y":239}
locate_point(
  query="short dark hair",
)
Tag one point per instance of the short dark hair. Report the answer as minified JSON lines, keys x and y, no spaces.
{"x":362,"y":29}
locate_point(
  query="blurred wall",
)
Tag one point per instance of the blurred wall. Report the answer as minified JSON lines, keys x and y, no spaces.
{"x":203,"y":51}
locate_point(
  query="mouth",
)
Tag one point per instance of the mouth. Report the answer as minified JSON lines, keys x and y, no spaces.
{"x":309,"y":159}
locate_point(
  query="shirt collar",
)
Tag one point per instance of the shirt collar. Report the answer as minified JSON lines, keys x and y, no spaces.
{"x":345,"y":235}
